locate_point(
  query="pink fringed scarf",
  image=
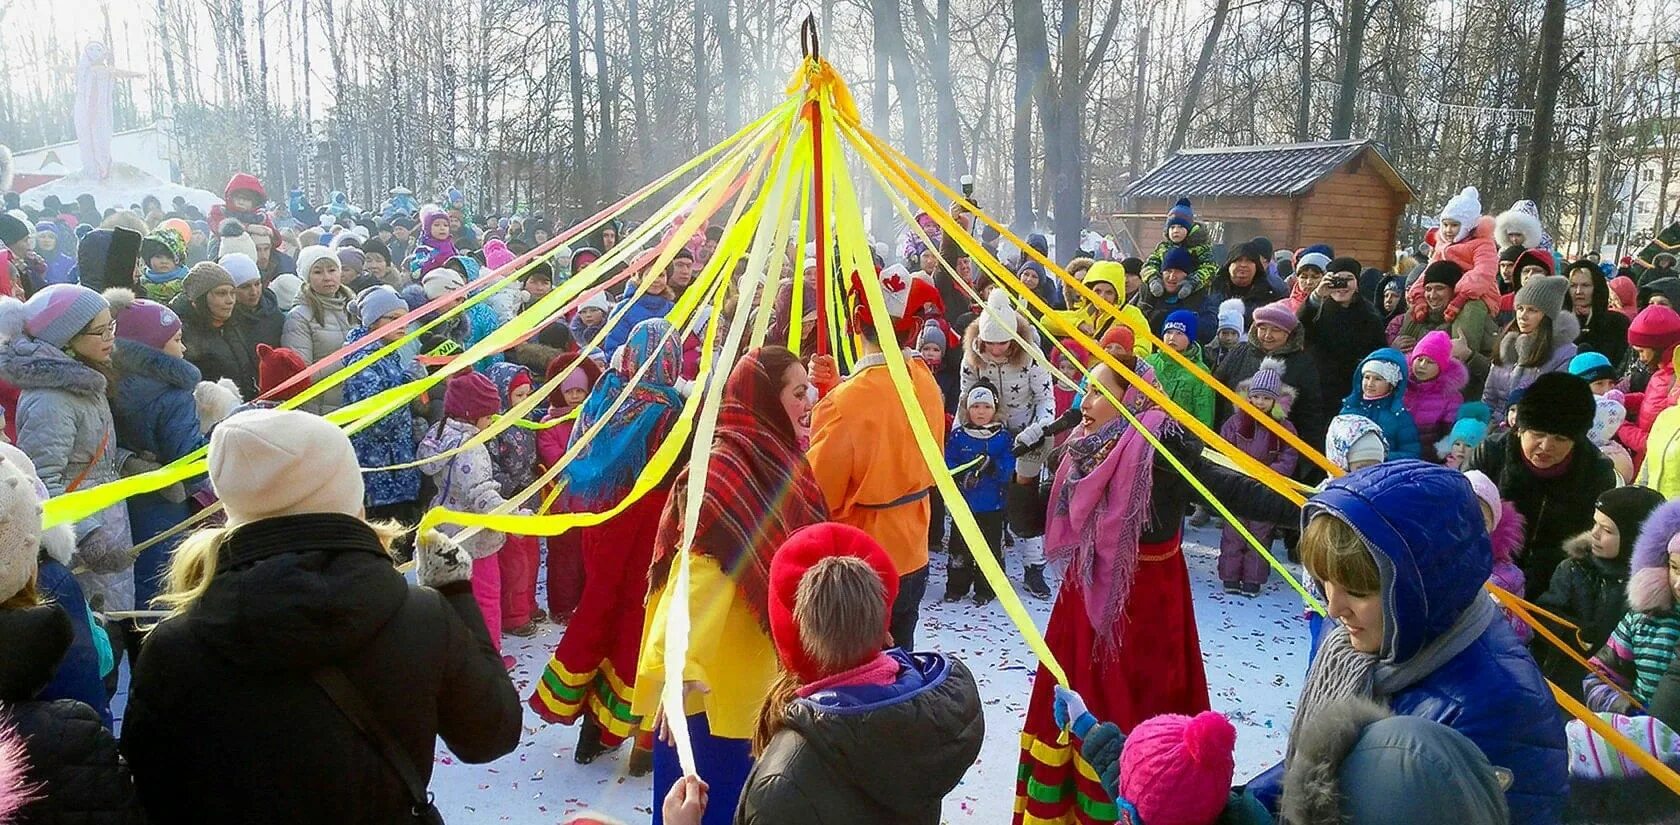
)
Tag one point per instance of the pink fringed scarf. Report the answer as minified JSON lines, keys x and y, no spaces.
{"x":1100,"y":504}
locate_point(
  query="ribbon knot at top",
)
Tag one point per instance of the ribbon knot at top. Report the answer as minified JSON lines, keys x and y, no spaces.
{"x":818,"y":80}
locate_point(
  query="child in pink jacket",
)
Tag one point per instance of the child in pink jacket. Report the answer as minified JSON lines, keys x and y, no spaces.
{"x":1465,"y":238}
{"x":1436,"y":389}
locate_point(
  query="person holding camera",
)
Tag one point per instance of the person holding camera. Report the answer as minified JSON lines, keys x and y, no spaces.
{"x":1341,"y":329}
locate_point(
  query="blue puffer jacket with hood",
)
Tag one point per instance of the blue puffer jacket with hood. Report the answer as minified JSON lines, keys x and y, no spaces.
{"x":1389,"y":412}
{"x":1425,"y":522}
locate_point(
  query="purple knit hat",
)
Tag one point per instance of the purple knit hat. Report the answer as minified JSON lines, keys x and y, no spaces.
{"x":1648,"y":590}
{"x":1269,"y":380}
{"x":470,"y":396}
{"x":59,"y":312}
{"x":142,"y":321}
{"x":1278,"y":314}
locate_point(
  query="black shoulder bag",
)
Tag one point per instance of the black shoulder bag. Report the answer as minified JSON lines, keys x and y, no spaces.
{"x":337,"y":686}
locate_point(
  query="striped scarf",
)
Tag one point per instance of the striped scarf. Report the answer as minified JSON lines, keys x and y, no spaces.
{"x":759,"y":489}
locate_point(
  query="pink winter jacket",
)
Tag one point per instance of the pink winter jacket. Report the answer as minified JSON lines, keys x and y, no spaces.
{"x":1644,"y":407}
{"x":1434,"y":404}
{"x":1507,"y":543}
{"x":1478,"y":255}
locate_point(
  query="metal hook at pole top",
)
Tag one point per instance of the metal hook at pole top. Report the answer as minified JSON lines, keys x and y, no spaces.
{"x":808,"y":41}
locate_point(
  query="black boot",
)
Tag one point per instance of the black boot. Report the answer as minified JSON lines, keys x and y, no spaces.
{"x":589,"y":747}
{"x":959,"y":578}
{"x":1033,"y":581}
{"x":641,"y":762}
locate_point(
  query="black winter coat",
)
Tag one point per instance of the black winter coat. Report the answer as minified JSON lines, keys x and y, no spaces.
{"x":1259,"y":292}
{"x":1338,"y":338}
{"x":1300,"y":371}
{"x":265,"y":323}
{"x":1172,"y":494}
{"x":1555,"y":509}
{"x":1592,"y":593}
{"x":220,"y":352}
{"x":68,"y":751}
{"x":881,"y":755}
{"x":224,"y":691}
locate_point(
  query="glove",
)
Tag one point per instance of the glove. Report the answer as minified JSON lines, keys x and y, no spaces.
{"x":1102,"y":747}
{"x":1183,"y":445}
{"x":174,"y":494}
{"x":1156,"y":288}
{"x":1030,"y":436}
{"x":1241,"y":808}
{"x":99,"y":554}
{"x":825,"y":373}
{"x":1185,"y":289}
{"x":685,"y":387}
{"x":136,"y":465}
{"x":1071,"y":713}
{"x":440,"y":560}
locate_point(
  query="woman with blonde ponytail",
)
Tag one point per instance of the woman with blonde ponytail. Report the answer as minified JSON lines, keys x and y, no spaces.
{"x":293,"y":644}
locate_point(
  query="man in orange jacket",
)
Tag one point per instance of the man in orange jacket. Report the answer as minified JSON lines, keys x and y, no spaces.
{"x":864,"y":452}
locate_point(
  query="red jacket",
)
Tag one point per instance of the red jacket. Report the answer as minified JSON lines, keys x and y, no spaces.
{"x":242,"y":182}
{"x":1644,"y":407}
{"x":1478,"y":256}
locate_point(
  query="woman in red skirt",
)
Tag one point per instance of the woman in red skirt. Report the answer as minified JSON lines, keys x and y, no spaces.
{"x":592,"y":676}
{"x":1123,"y":626}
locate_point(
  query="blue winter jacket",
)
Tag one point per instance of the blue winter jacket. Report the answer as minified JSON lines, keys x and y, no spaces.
{"x":81,"y":673}
{"x":1426,"y":523}
{"x":648,"y":306}
{"x":1389,"y":412}
{"x":390,"y":440}
{"x":967,"y":444}
{"x":154,"y":413}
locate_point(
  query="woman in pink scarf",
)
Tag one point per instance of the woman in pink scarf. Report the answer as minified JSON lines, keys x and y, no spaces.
{"x":1123,"y":626}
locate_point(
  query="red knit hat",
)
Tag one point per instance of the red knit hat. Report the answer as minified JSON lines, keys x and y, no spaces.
{"x":1120,"y":334}
{"x":469,"y":396}
{"x":274,"y":366}
{"x":1655,"y":327}
{"x":796,"y":556}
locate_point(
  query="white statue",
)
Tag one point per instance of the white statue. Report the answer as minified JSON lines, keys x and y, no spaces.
{"x":94,"y":78}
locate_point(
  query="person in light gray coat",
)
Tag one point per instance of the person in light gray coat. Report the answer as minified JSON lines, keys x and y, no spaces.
{"x":318,"y":326}
{"x":56,"y":350}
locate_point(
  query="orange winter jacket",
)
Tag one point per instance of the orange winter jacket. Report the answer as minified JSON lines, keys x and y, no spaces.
{"x":864,"y":455}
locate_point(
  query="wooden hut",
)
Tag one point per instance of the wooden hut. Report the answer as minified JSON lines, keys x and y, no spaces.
{"x":1343,"y":193}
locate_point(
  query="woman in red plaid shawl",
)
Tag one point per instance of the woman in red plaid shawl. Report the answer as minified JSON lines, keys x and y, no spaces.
{"x":758,"y":490}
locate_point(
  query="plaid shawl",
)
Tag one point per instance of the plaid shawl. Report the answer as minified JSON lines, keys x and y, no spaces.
{"x":759,"y":489}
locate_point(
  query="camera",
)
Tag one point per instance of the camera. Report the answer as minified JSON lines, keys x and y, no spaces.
{"x":1338,"y":281}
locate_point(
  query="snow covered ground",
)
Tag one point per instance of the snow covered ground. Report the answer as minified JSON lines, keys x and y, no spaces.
{"x":1255,"y":651}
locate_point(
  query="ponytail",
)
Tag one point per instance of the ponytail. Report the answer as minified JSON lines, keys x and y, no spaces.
{"x":772,"y":716}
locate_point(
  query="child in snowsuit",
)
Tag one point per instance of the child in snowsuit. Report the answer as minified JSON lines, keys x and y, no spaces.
{"x":1184,"y":388}
{"x":165,"y":255}
{"x":1589,"y":587}
{"x":1505,"y":529}
{"x":1230,"y":333}
{"x":979,"y":451}
{"x":1241,"y":568}
{"x":1465,"y":436}
{"x":1607,"y":421}
{"x":1170,"y":768}
{"x":466,"y":483}
{"x":1644,"y":643}
{"x":513,"y":452}
{"x":1465,"y":238}
{"x":1379,"y":393}
{"x":434,"y":246}
{"x":1184,"y":232}
{"x":1435,"y":391}
{"x":565,"y":551}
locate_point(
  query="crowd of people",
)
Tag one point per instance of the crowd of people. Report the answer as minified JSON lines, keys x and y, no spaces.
{"x":1495,"y":414}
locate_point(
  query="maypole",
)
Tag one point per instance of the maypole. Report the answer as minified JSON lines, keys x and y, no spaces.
{"x":812,"y":48}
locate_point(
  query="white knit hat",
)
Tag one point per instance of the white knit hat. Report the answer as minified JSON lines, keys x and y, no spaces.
{"x":242,"y":267}
{"x":1464,"y":207}
{"x":270,"y":463}
{"x":309,"y":256}
{"x":20,"y":530}
{"x":597,"y":300}
{"x":1231,"y":314}
{"x":996,"y":325}
{"x":1485,"y":490}
{"x":440,"y":282}
{"x":286,"y":287}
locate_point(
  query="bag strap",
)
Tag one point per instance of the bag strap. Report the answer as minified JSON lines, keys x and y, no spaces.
{"x":336,"y":685}
{"x":104,"y":441}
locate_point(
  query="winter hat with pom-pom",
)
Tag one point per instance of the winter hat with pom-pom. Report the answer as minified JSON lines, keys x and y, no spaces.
{"x":1231,"y":314}
{"x":997,"y":325}
{"x":215,"y":401}
{"x":56,"y":314}
{"x":496,"y":254}
{"x":144,"y":322}
{"x":241,"y":244}
{"x":1466,"y":208}
{"x":270,"y":463}
{"x":1268,"y":381}
{"x":1181,"y":214}
{"x":1659,"y":537}
{"x":20,"y":530}
{"x":802,"y":551}
{"x":1176,"y":770}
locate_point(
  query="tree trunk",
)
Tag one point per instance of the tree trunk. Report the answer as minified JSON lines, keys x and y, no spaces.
{"x":638,"y":79}
{"x":606,"y":158}
{"x":1140,"y":100}
{"x":1536,"y":176}
{"x":166,"y":40}
{"x":729,"y":50}
{"x":1193,"y":90}
{"x":1353,"y":45}
{"x":702,"y":80}
{"x":1032,"y":65}
{"x":1303,"y":115}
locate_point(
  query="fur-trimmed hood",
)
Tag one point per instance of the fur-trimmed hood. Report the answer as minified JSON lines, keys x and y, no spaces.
{"x":1507,"y":536}
{"x":1524,"y":217}
{"x":1648,"y":588}
{"x":1312,"y":783}
{"x":33,"y":364}
{"x":1020,"y":359}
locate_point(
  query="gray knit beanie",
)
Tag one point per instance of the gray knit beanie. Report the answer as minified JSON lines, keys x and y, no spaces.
{"x":1545,"y":293}
{"x":204,"y":277}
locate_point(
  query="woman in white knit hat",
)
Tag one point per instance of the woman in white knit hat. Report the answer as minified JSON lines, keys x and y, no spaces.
{"x":297,"y":666}
{"x":1026,"y":402}
{"x":322,"y":319}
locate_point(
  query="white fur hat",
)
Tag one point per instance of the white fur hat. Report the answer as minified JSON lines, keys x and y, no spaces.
{"x":1464,"y":207}
{"x":1001,"y":319}
{"x":1522,"y":217}
{"x":20,"y":529}
{"x":270,"y":463}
